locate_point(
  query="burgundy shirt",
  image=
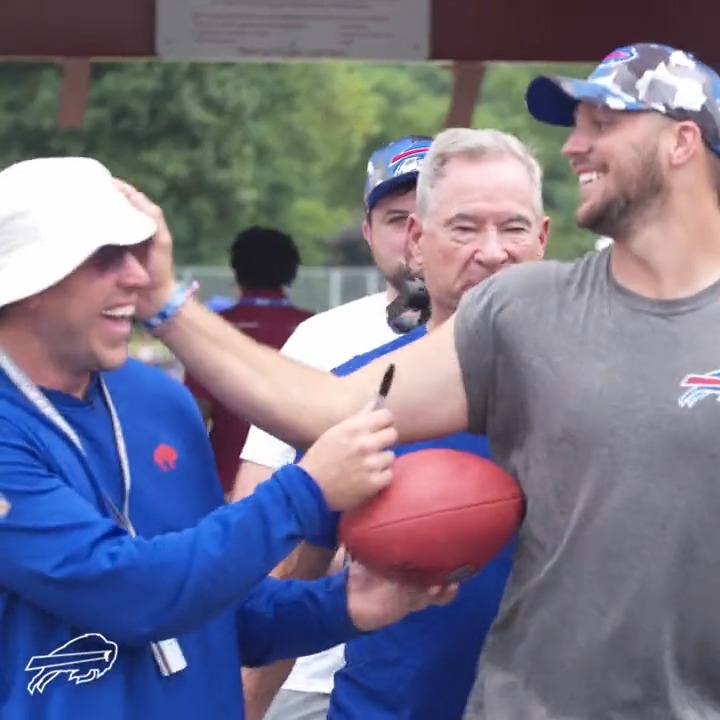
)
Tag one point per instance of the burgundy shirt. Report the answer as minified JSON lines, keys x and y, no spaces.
{"x":270,"y":319}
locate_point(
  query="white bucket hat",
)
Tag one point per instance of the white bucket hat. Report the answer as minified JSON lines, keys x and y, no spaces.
{"x":54,"y":214}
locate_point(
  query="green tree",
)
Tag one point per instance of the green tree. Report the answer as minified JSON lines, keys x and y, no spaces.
{"x":222,"y":146}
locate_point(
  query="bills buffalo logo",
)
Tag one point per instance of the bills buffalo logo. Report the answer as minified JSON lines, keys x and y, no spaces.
{"x":165,"y":457}
{"x":699,"y":386}
{"x":411,"y":164}
{"x":622,"y":55}
{"x":407,"y":161}
{"x":81,"y":660}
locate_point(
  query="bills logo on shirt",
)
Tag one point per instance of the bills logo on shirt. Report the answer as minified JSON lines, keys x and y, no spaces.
{"x":81,"y":660}
{"x":699,"y":386}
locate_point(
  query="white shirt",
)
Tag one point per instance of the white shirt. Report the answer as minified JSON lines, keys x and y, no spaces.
{"x":323,"y":341}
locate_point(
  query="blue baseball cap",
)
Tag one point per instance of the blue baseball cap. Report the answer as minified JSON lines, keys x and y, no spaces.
{"x":394,"y":165}
{"x":642,"y":77}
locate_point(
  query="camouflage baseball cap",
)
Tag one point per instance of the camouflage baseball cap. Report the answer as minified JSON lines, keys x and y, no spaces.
{"x":636,"y":78}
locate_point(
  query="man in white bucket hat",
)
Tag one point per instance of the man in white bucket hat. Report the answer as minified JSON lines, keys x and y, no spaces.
{"x":127,"y":586}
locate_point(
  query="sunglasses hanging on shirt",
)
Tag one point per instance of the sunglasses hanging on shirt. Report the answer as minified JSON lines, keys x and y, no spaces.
{"x":411,"y":308}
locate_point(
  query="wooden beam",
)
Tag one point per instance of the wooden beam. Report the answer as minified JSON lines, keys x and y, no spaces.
{"x":470,"y":30}
{"x":467,"y":82}
{"x":74,"y":91}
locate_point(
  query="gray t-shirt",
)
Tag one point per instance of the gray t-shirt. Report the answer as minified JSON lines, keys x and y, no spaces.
{"x":604,"y":406}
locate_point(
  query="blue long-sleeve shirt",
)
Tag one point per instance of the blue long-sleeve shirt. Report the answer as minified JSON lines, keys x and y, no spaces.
{"x":197,"y":570}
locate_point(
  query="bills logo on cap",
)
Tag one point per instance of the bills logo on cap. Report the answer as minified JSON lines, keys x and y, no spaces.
{"x":421,"y":151}
{"x":622,"y":55}
{"x":411,"y":164}
{"x":408,"y":161}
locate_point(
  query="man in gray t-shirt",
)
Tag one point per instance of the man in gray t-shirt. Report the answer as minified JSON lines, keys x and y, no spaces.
{"x":601,"y":398}
{"x":597,"y":384}
{"x":611,"y":609}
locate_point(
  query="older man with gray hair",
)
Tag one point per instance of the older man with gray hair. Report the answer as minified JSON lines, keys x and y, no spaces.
{"x":479,"y":210}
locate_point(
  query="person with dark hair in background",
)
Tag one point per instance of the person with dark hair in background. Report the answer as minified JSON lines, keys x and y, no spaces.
{"x":264,"y":261}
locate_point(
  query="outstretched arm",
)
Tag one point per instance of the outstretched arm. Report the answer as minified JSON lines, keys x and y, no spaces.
{"x":284,"y":397}
{"x":297,"y":403}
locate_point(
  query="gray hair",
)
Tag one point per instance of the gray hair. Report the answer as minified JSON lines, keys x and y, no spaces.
{"x":476,"y":144}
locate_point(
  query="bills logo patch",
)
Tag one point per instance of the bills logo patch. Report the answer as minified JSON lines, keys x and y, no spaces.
{"x":699,"y":386}
{"x":81,"y":660}
{"x":411,"y":164}
{"x":619,"y":56}
{"x":408,"y":161}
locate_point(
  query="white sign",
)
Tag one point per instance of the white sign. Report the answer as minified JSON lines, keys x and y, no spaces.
{"x":303,"y":29}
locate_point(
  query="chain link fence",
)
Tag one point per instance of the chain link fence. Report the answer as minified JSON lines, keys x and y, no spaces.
{"x":315,"y":288}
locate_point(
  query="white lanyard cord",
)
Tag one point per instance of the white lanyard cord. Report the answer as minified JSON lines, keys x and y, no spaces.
{"x":167,"y":653}
{"x":34,"y":395}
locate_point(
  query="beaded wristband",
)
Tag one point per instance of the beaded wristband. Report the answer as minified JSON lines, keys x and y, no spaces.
{"x":179,"y":297}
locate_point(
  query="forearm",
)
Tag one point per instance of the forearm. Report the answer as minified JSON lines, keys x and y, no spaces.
{"x":297,"y":403}
{"x":293,"y":401}
{"x":261,"y":685}
{"x":305,"y":562}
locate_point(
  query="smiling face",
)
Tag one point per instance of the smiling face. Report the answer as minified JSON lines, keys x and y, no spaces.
{"x":616,"y":156}
{"x":83,"y":323}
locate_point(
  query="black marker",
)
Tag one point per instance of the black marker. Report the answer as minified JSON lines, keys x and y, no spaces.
{"x":385,"y":386}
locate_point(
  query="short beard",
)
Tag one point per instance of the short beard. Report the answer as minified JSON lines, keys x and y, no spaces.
{"x":619,"y":214}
